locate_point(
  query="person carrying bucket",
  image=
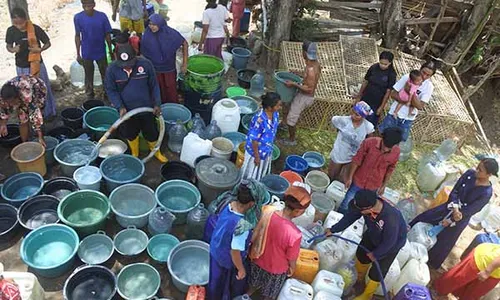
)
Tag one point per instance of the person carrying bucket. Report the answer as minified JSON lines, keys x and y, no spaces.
{"x":130,"y":84}
{"x":385,"y":235}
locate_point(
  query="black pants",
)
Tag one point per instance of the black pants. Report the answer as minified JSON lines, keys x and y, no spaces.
{"x":88,"y":66}
{"x":385,"y":263}
{"x":145,"y":122}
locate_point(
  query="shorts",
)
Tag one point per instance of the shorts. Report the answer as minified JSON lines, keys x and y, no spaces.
{"x":143,"y":122}
{"x":131,"y":25}
{"x":299,"y":104}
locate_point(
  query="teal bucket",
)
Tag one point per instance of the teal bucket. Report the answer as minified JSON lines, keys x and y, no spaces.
{"x":179,"y":197}
{"x":286,"y":93}
{"x":204,"y":73}
{"x":121,"y":169}
{"x":245,"y":123}
{"x":240,"y":57}
{"x":138,"y":281}
{"x":171,"y":112}
{"x":51,"y":143}
{"x":99,"y":119}
{"x":247,"y":105}
{"x":160,"y":245}
{"x":50,"y":250}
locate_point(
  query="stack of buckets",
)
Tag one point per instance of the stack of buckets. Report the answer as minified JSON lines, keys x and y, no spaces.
{"x":203,"y":84}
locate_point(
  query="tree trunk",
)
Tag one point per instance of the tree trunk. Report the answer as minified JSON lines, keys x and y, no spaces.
{"x":469,"y":32}
{"x":390,"y":19}
{"x":280,"y":15}
{"x":18,"y":3}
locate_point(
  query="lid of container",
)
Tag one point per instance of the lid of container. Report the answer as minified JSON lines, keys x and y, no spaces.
{"x":217,"y":172}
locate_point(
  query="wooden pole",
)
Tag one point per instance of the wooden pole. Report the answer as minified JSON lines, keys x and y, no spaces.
{"x":492,"y":69}
{"x":280,"y":25}
{"x":444,"y":4}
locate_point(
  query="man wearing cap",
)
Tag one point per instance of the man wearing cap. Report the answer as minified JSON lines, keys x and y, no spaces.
{"x":305,"y":96}
{"x":373,"y":164}
{"x":130,"y":84}
{"x":385,"y":235}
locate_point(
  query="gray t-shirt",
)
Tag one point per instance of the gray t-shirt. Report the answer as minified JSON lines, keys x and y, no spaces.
{"x":131,"y":9}
{"x":349,"y":139}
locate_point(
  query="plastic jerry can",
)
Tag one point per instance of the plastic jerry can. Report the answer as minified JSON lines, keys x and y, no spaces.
{"x":430,"y":177}
{"x":294,"y":289}
{"x":357,"y":227}
{"x":28,"y":284}
{"x":404,"y":254}
{"x":329,"y":282}
{"x":307,"y":218}
{"x":306,"y":236}
{"x":418,"y":252}
{"x":419,"y":233}
{"x":414,"y":272}
{"x":330,"y":255}
{"x":413,"y":291}
{"x":332,"y":218}
{"x":307,"y":265}
{"x":391,"y":195}
{"x":390,"y":278}
{"x":348,"y":248}
{"x":336,"y":191}
{"x":324,"y":295}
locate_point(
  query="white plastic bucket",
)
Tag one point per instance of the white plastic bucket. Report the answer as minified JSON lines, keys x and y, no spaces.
{"x":88,"y":178}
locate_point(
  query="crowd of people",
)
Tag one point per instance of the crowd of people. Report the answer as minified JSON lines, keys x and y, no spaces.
{"x":261,"y":256}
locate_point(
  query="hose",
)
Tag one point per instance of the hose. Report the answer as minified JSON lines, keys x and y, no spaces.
{"x":127,"y":116}
{"x":377,"y":266}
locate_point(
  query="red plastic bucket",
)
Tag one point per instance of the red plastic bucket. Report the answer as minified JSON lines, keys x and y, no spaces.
{"x":291,"y":176}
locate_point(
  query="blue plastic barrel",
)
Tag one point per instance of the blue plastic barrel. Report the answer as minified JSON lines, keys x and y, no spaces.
{"x":275,"y":184}
{"x":245,"y":21}
{"x":297,"y":164}
{"x":240,"y":57}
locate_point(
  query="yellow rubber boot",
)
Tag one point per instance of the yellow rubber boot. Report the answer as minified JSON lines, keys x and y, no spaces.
{"x":158,"y":154}
{"x":361,"y":269}
{"x":134,"y":146}
{"x":370,"y":289}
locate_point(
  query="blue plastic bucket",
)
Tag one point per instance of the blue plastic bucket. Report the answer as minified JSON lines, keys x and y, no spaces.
{"x":74,"y":153}
{"x":240,"y":57}
{"x":246,"y":104}
{"x":275,"y":184}
{"x":314,"y":159}
{"x":50,"y":250}
{"x":286,"y":93}
{"x":18,"y":188}
{"x":51,"y":143}
{"x":179,"y":197}
{"x":99,"y":119}
{"x":172,"y":112}
{"x":297,"y":164}
{"x":236,"y":138}
{"x":160,"y":245}
{"x":96,"y":248}
{"x":121,"y":169}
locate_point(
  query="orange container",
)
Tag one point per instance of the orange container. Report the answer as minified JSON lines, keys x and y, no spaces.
{"x":291,"y":176}
{"x":240,"y":157}
{"x":196,"y":292}
{"x":442,"y":196}
{"x":307,"y":265}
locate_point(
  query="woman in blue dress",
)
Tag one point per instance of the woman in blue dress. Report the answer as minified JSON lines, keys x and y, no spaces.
{"x":470,"y":194}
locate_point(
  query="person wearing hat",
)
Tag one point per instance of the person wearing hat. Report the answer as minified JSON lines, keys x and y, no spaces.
{"x":131,"y":83}
{"x":385,"y":235}
{"x":470,"y":194}
{"x":373,"y":165}
{"x":132,"y":13}
{"x":9,"y":290}
{"x":276,"y":243}
{"x":306,"y":89}
{"x":352,"y":131}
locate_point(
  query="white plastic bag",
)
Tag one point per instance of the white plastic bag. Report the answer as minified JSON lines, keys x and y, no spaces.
{"x":419,"y":234}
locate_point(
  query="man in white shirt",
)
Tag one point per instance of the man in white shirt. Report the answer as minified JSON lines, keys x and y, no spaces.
{"x":404,"y":120}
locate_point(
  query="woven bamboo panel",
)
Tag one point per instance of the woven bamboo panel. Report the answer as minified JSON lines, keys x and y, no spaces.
{"x":318,"y":115}
{"x":291,"y":58}
{"x":445,"y":101}
{"x":355,"y":75}
{"x":329,"y":56}
{"x":331,"y":86}
{"x":359,"y":51}
{"x":435,"y":129}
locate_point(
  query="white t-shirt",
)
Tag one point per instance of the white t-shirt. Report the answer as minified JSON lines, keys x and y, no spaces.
{"x":424,"y":93}
{"x":349,"y":139}
{"x":216,"y":19}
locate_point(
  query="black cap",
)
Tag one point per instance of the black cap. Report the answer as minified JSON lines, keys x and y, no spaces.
{"x":491,"y":166}
{"x":125,"y":55}
{"x":364,"y":199}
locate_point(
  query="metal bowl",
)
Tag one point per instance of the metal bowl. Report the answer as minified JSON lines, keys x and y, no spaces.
{"x":112,"y":147}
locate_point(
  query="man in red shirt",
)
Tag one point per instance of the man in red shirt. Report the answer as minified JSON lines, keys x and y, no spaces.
{"x":373,"y":164}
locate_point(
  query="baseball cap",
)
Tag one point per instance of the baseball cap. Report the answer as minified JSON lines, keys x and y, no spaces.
{"x":364,"y":199}
{"x":311,"y":50}
{"x":125,"y":55}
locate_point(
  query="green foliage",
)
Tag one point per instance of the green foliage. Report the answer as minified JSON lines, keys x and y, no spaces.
{"x":478,"y":55}
{"x":303,"y":28}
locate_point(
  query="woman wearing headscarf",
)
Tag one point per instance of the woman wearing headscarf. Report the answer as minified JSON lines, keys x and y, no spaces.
{"x":160,"y":44}
{"x":470,"y":194}
{"x":377,"y":86}
{"x":214,"y":28}
{"x":352,"y":131}
{"x":260,"y":138}
{"x":276,"y":243}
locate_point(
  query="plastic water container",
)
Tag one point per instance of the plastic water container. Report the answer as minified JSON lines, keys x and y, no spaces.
{"x":77,"y":75}
{"x":318,"y":180}
{"x":306,"y":236}
{"x":88,"y":178}
{"x":329,"y":282}
{"x":349,"y":275}
{"x":307,"y":218}
{"x":405,"y":147}
{"x":404,"y":254}
{"x":196,"y":220}
{"x":414,"y":272}
{"x":212,"y":130}
{"x":193,"y":147}
{"x":430,"y":177}
{"x":336,"y":191}
{"x":407,"y":209}
{"x":29,"y":287}
{"x":411,"y":291}
{"x":418,"y":252}
{"x":198,"y":130}
{"x":357,"y":227}
{"x":257,"y":84}
{"x":348,"y":249}
{"x":294,"y":289}
{"x":160,"y":221}
{"x":240,"y":57}
{"x":227,"y":114}
{"x":324,"y":295}
{"x":390,"y":278}
{"x":391,"y":195}
{"x":197,"y":120}
{"x":446,"y":149}
{"x":491,"y":222}
{"x":307,"y":265}
{"x":330,"y":255}
{"x":419,"y":234}
{"x":322,"y":204}
{"x":332,"y":218}
{"x":176,"y":136}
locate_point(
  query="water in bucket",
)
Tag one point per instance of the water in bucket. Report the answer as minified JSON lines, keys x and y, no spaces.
{"x":25,"y":192}
{"x":119,"y":170}
{"x":87,"y":176}
{"x":52,"y":254}
{"x":84,"y":216}
{"x":79,"y":155}
{"x":191,"y":265}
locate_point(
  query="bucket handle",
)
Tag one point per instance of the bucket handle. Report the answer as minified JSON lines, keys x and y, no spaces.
{"x":131,"y":227}
{"x":101,"y":232}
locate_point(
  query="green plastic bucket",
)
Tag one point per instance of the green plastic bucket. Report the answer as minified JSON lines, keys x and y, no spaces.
{"x":234,"y":91}
{"x":99,"y":119}
{"x":204,"y":73}
{"x":276,"y":152}
{"x":286,"y":93}
{"x":85,"y":211}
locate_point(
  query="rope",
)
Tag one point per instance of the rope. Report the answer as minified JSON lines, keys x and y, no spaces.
{"x":269,"y":48}
{"x":377,"y":266}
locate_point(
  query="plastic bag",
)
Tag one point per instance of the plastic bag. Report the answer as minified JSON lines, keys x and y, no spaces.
{"x":418,"y":252}
{"x":407,"y":208}
{"x":419,"y":234}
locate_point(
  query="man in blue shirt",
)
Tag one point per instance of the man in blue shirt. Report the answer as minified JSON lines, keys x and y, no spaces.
{"x":131,"y":83}
{"x":385,"y":235}
{"x":92,"y":28}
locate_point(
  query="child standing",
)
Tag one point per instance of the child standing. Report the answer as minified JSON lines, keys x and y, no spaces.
{"x":409,"y":91}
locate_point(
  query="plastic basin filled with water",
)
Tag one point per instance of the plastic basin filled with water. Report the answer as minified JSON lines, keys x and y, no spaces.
{"x":88,"y":178}
{"x":275,"y":184}
{"x":315,"y":160}
{"x":18,"y":188}
{"x":130,"y":241}
{"x":85,"y":211}
{"x":246,"y":104}
{"x":172,"y":112}
{"x":121,"y":169}
{"x":96,"y":248}
{"x":179,"y":197}
{"x":160,"y":245}
{"x":72,"y":154}
{"x":50,"y":249}
{"x":189,"y":264}
{"x":100,"y":119}
{"x":132,"y":203}
{"x":138,"y":281}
